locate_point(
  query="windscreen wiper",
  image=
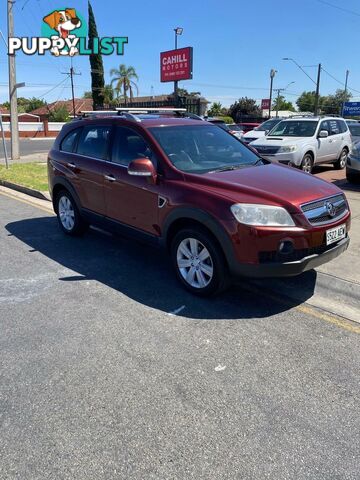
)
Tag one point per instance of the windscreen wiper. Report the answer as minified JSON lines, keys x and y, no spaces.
{"x":227,"y":168}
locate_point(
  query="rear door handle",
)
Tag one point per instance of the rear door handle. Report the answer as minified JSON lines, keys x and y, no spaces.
{"x":110,"y":178}
{"x":71,"y":165}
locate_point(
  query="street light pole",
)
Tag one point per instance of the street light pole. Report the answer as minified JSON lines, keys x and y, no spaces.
{"x":272,"y":75}
{"x":177,"y":31}
{"x":345,"y":92}
{"x":14,"y":123}
{"x":317,"y":93}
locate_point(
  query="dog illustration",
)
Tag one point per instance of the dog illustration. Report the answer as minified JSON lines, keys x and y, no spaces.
{"x":63,"y":21}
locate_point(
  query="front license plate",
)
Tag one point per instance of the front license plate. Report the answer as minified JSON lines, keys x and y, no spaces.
{"x":335,"y":234}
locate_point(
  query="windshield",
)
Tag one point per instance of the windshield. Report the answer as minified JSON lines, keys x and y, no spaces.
{"x":355,"y":130}
{"x":268,"y":125}
{"x":203,"y":148}
{"x":294,"y":128}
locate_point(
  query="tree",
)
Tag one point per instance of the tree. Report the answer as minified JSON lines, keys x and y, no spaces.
{"x":244,"y":106}
{"x":87,"y":94}
{"x":215,"y":110}
{"x":108,"y":93}
{"x":332,"y":104}
{"x":59,"y":114}
{"x":280,"y":103}
{"x":182,"y":92}
{"x":33,"y":103}
{"x":96,"y":64}
{"x":306,"y":102}
{"x":124,"y":79}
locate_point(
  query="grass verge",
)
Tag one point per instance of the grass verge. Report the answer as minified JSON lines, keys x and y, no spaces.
{"x":31,"y":175}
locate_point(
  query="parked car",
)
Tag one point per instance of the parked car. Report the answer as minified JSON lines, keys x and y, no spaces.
{"x":190,"y":187}
{"x":236,"y":130}
{"x":355,"y":131}
{"x":307,"y":141}
{"x":247,"y":126}
{"x":353,"y":164}
{"x":231,"y":128}
{"x":351,"y":121}
{"x":261,"y":130}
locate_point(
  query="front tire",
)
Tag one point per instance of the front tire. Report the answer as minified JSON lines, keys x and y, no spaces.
{"x":307,"y":163}
{"x":341,"y":162}
{"x":68,"y":215}
{"x":199,"y":262}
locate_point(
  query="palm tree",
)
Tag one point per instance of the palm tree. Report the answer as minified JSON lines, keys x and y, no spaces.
{"x":124,"y":80}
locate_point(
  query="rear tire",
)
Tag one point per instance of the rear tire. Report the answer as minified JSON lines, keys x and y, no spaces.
{"x":68,"y":215}
{"x":341,"y":162}
{"x":307,"y":163}
{"x":198,"y":261}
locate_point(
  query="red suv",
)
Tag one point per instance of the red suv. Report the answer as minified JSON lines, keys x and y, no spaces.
{"x":191,"y":187}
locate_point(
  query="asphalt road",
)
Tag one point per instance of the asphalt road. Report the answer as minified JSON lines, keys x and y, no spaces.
{"x":29,"y":146}
{"x":99,"y":380}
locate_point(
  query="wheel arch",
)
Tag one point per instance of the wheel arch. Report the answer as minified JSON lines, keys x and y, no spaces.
{"x":187,"y":217}
{"x":60,"y":183}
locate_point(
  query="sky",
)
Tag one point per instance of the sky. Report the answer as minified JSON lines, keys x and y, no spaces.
{"x":235,"y":42}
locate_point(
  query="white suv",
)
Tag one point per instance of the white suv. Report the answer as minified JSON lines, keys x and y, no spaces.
{"x":306,"y":141}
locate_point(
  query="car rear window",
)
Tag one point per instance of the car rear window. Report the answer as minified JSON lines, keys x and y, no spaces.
{"x":69,"y":142}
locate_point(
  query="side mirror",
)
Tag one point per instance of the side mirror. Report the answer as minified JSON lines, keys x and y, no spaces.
{"x":142,"y":167}
{"x":323,"y":134}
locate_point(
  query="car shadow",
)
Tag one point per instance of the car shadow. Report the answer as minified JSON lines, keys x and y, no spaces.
{"x":144,"y":274}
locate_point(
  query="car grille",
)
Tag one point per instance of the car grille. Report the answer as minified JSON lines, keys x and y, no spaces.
{"x":267,"y":149}
{"x":326,"y":210}
{"x":296,"y":255}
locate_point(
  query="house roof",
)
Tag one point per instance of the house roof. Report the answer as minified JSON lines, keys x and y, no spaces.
{"x":80,"y":104}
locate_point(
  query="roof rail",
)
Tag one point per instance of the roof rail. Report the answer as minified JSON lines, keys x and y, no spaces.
{"x":150,"y":109}
{"x":88,"y":113}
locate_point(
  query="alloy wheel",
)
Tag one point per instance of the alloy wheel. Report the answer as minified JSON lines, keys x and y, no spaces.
{"x":66,"y":213}
{"x":343,"y":159}
{"x":307,"y":165}
{"x":194,"y":263}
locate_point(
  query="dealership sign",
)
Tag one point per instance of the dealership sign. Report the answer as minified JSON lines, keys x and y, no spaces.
{"x":351,"y":109}
{"x":265,"y":104}
{"x":176,"y":64}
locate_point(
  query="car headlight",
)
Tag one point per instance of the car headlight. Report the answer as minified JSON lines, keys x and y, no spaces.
{"x":288,"y":149}
{"x":261,"y":215}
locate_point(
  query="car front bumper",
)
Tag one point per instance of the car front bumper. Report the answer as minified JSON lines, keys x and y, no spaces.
{"x":353,"y":164}
{"x":290,"y":269}
{"x":291,"y":158}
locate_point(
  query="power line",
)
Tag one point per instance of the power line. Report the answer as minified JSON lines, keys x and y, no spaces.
{"x":346,"y":10}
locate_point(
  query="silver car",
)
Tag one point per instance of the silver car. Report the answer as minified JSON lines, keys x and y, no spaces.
{"x":353,"y":164}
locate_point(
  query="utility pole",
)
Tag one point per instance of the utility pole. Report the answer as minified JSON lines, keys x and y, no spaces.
{"x":316,"y":107}
{"x":14,"y":123}
{"x":178,"y":31}
{"x":71,"y":74}
{"x":345,"y":92}
{"x":272,"y":75}
{"x":278,"y":90}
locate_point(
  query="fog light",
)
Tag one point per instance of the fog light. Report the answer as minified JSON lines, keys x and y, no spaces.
{"x":286,"y":247}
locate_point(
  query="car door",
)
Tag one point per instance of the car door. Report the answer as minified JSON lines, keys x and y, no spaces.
{"x":335,"y":139}
{"x":88,"y":166}
{"x":324,"y":144}
{"x":131,"y":200}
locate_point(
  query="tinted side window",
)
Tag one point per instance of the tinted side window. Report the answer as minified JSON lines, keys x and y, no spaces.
{"x":69,"y":142}
{"x":94,"y":142}
{"x":342,"y":126}
{"x":334,"y":127}
{"x":128,"y":146}
{"x":325,"y":126}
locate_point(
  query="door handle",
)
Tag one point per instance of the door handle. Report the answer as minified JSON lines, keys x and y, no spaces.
{"x":110,"y":178}
{"x":71,"y":165}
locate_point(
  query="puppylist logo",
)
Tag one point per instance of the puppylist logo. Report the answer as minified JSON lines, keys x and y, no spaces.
{"x":64,"y":32}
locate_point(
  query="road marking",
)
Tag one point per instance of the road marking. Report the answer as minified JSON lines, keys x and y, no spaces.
{"x":27,"y":202}
{"x":220,"y":368}
{"x":306,"y":309}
